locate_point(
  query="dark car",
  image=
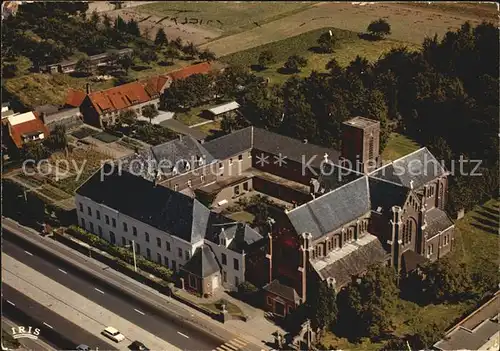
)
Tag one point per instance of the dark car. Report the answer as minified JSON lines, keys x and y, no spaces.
{"x":138,"y":346}
{"x":82,"y":347}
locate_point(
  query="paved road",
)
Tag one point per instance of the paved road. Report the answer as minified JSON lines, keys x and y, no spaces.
{"x":54,"y":329}
{"x":174,"y":331}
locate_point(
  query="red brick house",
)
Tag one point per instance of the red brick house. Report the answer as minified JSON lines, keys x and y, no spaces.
{"x":26,"y":127}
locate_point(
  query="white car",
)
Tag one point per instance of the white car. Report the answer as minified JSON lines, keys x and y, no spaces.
{"x":113,"y":334}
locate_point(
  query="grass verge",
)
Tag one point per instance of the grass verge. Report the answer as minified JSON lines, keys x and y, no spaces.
{"x":398,"y":146}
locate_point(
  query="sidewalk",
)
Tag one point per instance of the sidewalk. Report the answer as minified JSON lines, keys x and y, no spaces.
{"x":254,"y":331}
{"x":257,"y":325}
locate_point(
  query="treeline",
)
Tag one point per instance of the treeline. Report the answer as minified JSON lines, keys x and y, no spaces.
{"x":444,"y":96}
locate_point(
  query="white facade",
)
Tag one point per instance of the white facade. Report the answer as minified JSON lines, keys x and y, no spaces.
{"x":230,"y":276}
{"x":164,"y":248}
{"x":171,"y":251}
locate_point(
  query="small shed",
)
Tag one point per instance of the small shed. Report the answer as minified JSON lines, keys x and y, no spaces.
{"x":220,"y":111}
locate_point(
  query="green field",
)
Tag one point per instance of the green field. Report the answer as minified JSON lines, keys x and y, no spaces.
{"x":228,"y":17}
{"x":349,"y":45}
{"x":192,"y":116}
{"x":398,"y":146}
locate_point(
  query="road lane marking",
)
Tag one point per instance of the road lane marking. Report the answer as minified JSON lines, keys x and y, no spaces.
{"x":102,"y":292}
{"x":48,"y":325}
{"x":238,"y":342}
{"x":12,"y":303}
{"x":63,"y":271}
{"x":184,"y":335}
{"x":135,"y":309}
{"x":29,"y":253}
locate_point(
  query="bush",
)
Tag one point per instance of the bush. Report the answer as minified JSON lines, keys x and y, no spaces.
{"x":122,"y":253}
{"x":247,"y":288}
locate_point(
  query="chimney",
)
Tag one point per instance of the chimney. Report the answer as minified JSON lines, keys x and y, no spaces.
{"x":411,"y":184}
{"x":325,"y":156}
{"x":180,"y":137}
{"x":305,"y":141}
{"x":88,"y":88}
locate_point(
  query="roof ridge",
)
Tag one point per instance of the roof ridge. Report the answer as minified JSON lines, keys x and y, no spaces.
{"x":386,"y":181}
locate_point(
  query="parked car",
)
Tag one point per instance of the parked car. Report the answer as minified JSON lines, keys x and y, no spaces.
{"x":113,"y":334}
{"x":82,"y":347}
{"x":138,"y":346}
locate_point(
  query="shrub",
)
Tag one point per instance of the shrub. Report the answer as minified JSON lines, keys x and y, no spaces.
{"x":124,"y":255}
{"x":247,"y":288}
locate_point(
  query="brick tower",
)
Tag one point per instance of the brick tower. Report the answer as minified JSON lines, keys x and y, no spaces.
{"x":361,"y":144}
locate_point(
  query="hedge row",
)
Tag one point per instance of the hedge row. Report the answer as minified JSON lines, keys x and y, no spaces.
{"x":122,"y":253}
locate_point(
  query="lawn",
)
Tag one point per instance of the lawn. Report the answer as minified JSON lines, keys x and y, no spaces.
{"x":231,"y":308}
{"x":228,"y":17}
{"x":398,"y":146}
{"x":477,"y":239}
{"x":242,"y":216}
{"x":210,"y":128}
{"x":348,"y":47}
{"x":192,"y":116}
{"x":53,"y":192}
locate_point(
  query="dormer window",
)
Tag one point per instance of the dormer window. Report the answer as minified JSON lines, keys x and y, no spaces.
{"x":222,"y":238}
{"x":175,"y":171}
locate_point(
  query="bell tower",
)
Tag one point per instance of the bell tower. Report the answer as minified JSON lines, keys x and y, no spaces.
{"x":361,"y":144}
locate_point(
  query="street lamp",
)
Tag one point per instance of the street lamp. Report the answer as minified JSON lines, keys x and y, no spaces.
{"x":133,"y":250}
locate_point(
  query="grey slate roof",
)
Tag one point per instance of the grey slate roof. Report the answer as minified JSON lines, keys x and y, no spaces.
{"x":437,"y":220}
{"x":293,"y":149}
{"x":283,"y":291}
{"x":162,"y":208}
{"x":464,"y":339}
{"x":384,"y":195}
{"x":266,"y":141}
{"x":354,"y":263}
{"x":420,"y":167}
{"x":231,"y":144}
{"x":331,"y":211}
{"x":203,"y":263}
{"x":240,"y":234}
{"x":148,"y":162}
{"x":334,"y":176}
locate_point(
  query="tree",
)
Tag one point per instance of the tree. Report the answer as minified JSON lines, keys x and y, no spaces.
{"x":207,"y":55}
{"x":148,"y":55}
{"x":379,"y":28}
{"x":106,"y":21}
{"x":126,"y":61}
{"x":58,"y":140}
{"x":294,"y":63}
{"x":132,"y":28}
{"x":161,"y":38}
{"x":34,"y":151}
{"x":120,"y":24}
{"x":323,"y":307}
{"x":94,"y":19}
{"x":327,"y":42}
{"x":265,"y":58}
{"x":368,"y":302}
{"x":177,"y":43}
{"x":150,"y":111}
{"x":446,"y":280}
{"x":190,"y":50}
{"x":127,"y":117}
{"x":84,"y":65}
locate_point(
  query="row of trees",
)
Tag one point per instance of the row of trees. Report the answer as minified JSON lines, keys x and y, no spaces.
{"x":444,"y":96}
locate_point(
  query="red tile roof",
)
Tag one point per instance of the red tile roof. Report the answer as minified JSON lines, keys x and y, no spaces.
{"x":155,"y":84}
{"x":75,"y":97}
{"x":119,"y":98}
{"x":35,"y":125}
{"x":185,"y":72}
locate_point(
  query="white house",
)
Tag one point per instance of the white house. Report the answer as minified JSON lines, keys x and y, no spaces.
{"x":166,"y":226}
